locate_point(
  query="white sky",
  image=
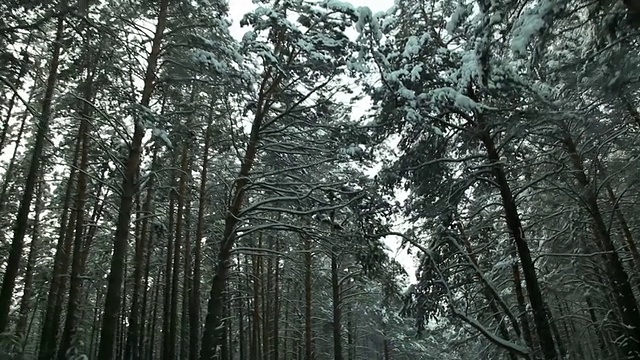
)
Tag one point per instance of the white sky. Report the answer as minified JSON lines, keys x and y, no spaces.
{"x":240,"y":7}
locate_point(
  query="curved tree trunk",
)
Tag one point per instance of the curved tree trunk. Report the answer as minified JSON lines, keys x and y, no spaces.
{"x":516,"y":231}
{"x":212,"y":331}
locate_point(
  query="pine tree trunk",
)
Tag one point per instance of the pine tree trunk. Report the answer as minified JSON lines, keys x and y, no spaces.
{"x":516,"y":230}
{"x":556,"y":333}
{"x":337,"y":316}
{"x":229,"y":328}
{"x":520,"y":300}
{"x":142,"y":340}
{"x":288,"y":346}
{"x":25,"y":303}
{"x":77,"y":263}
{"x":20,"y":229}
{"x":241,"y":312}
{"x":275,"y":343}
{"x":166,"y":309}
{"x":266,"y":303}
{"x":55,"y":298}
{"x":95,"y":327}
{"x":177,"y":243}
{"x":576,"y":347}
{"x":255,"y":343}
{"x":128,"y":188}
{"x":187,"y":283}
{"x":194,"y":311}
{"x":97,"y":213}
{"x":308,"y":337}
{"x":351,"y":353}
{"x":386,"y":349}
{"x":225,"y":353}
{"x":622,"y":290}
{"x":141,"y":260}
{"x":122,"y":327}
{"x":211,"y":336}
{"x":151,"y":345}
{"x":626,"y":231}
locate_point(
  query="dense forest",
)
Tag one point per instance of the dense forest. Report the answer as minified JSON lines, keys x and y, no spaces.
{"x":170,"y":191}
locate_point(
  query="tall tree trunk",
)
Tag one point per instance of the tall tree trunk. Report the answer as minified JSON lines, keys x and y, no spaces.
{"x":351,"y":355}
{"x":122,"y":327}
{"x":335,"y":296}
{"x":576,"y":346}
{"x":241,"y":327}
{"x":225,"y":352}
{"x":520,"y":300}
{"x":166,"y":309}
{"x":146,"y":293}
{"x":516,"y":231}
{"x":275,"y":343}
{"x":255,"y":340}
{"x":308,"y":336}
{"x":21,"y":225}
{"x":265,"y":296}
{"x":151,"y":345}
{"x":622,"y":290}
{"x":626,"y":231}
{"x":229,"y":328}
{"x":194,"y":311}
{"x":77,"y":268}
{"x":25,"y":303}
{"x":337,"y":330}
{"x":96,"y":325}
{"x":211,"y":336}
{"x":55,"y":298}
{"x":128,"y":188}
{"x":556,"y":333}
{"x":386,"y":349}
{"x":134,"y":331}
{"x":187,"y":282}
{"x":288,"y":344}
{"x":177,"y":243}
